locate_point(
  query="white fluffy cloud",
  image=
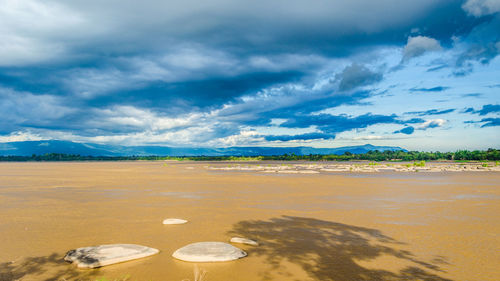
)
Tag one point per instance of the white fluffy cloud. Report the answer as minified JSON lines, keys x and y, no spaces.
{"x":433,"y":123}
{"x":479,"y":8}
{"x":419,"y":45}
{"x":144,"y":119}
{"x":243,"y":138}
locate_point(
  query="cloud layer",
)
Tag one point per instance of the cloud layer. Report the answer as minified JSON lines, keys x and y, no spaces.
{"x":222,"y":72}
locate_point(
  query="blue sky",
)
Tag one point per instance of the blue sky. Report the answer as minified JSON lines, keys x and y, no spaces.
{"x":424,"y":75}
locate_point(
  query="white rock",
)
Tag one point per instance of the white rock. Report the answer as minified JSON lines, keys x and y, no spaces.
{"x":174,"y":221}
{"x":244,"y":241}
{"x":97,"y":256}
{"x":208,"y":252}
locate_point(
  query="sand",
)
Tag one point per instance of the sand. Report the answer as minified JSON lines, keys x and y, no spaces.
{"x":322,"y":226}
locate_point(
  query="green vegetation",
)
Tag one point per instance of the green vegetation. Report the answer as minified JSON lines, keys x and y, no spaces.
{"x":419,"y":164}
{"x":458,"y":156}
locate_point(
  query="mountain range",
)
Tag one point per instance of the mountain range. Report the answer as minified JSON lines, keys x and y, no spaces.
{"x":28,"y":148}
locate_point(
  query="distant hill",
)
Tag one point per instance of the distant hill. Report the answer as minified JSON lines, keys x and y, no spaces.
{"x":28,"y":148}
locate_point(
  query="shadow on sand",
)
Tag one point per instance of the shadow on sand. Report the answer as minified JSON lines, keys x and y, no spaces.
{"x":332,"y":251}
{"x":46,"y":268}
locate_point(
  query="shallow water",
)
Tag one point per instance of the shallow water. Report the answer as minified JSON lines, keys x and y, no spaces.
{"x":310,"y":227}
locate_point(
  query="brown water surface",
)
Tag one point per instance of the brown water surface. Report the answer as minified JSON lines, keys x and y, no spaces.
{"x":426,"y":226}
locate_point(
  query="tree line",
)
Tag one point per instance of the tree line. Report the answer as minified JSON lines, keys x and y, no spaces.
{"x":375,"y":155}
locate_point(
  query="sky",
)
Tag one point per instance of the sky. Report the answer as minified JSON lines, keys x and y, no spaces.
{"x":423,"y":75}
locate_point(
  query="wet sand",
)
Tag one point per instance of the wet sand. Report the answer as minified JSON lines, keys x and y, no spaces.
{"x":326,"y":226}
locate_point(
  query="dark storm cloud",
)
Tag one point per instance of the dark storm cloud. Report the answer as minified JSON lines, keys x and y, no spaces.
{"x":308,"y":136}
{"x":431,"y":112}
{"x":116,"y":67}
{"x":283,"y":26}
{"x":84,"y":34}
{"x":196,"y":93}
{"x":91,"y":30}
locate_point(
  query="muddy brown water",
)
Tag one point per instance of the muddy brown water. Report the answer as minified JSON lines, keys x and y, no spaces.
{"x":439,"y":226}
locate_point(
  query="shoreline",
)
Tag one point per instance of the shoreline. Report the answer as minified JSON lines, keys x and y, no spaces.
{"x":310,"y":167}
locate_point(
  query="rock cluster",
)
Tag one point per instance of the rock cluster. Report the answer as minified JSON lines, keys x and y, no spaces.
{"x":98,"y":256}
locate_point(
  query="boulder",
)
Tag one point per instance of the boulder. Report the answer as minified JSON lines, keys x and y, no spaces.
{"x":209,"y":252}
{"x":243,"y":241}
{"x":97,"y":256}
{"x":174,"y":221}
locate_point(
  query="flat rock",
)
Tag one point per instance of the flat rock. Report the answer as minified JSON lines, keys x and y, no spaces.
{"x":208,"y":252}
{"x":97,"y":256}
{"x":174,"y":221}
{"x":243,"y":241}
